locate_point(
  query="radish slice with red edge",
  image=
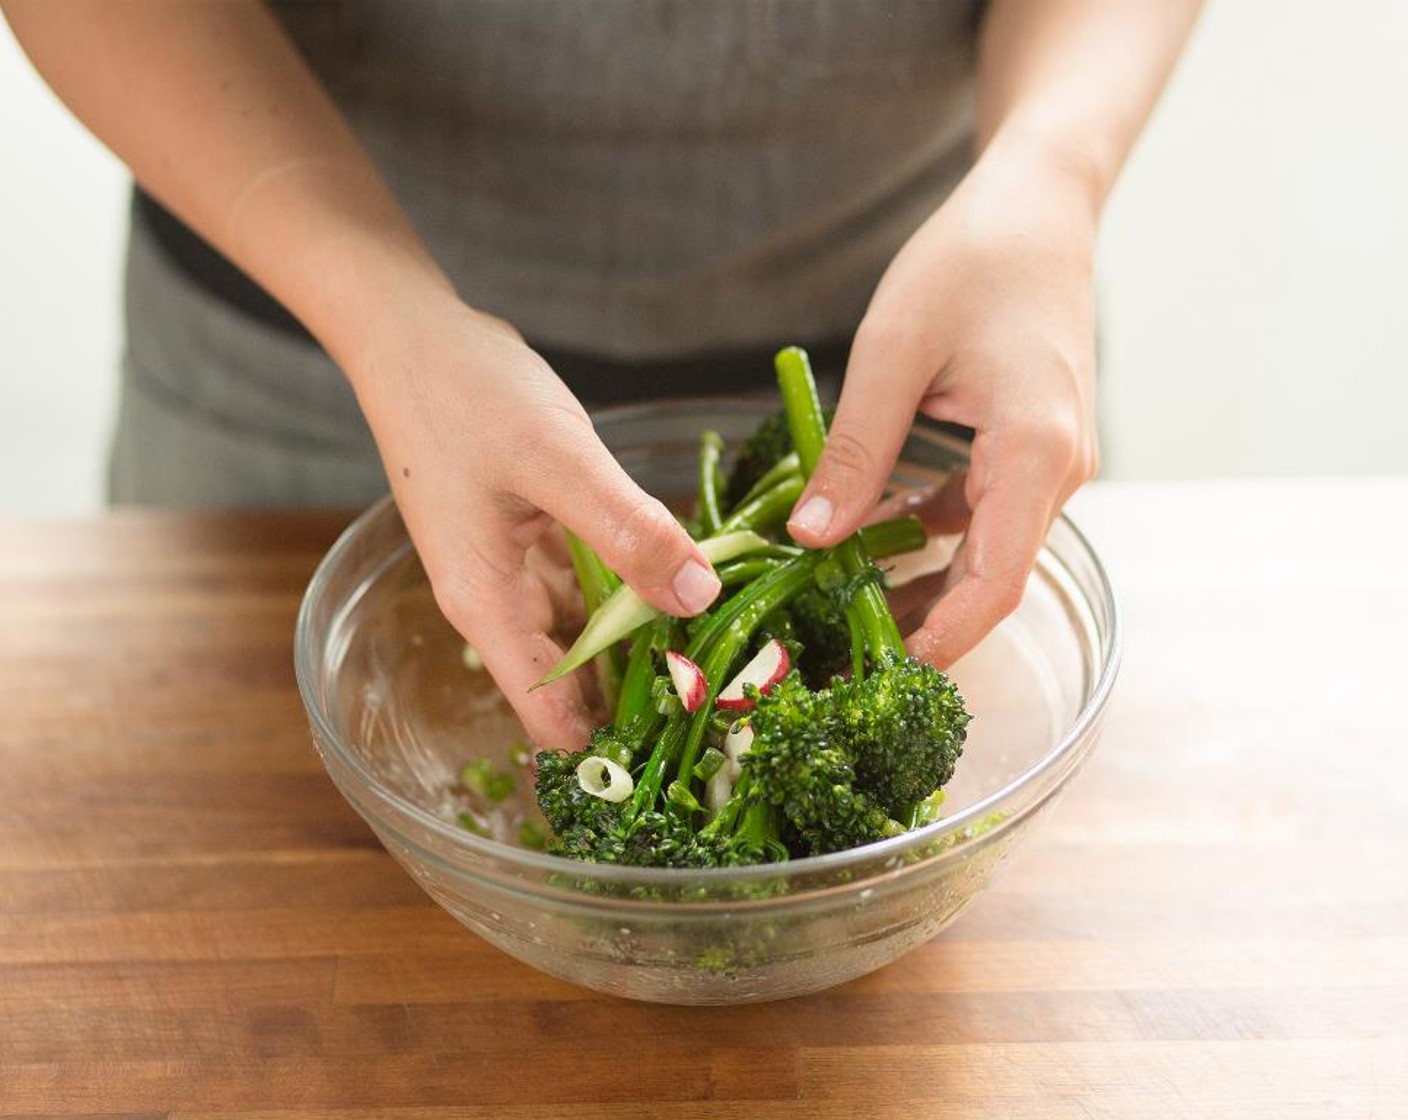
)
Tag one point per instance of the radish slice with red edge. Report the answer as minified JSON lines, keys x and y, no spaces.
{"x":769,"y":665}
{"x":688,"y":679}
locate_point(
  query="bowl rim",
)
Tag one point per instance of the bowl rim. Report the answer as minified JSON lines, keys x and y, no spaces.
{"x":305,"y":669}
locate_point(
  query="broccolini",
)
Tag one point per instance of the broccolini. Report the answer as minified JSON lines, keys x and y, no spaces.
{"x":749,"y":748}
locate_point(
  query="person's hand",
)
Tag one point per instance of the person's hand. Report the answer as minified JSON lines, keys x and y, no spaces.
{"x":486,"y":449}
{"x":984,"y":318}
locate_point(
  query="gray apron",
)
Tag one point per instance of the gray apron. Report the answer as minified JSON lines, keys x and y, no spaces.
{"x":645,"y":188}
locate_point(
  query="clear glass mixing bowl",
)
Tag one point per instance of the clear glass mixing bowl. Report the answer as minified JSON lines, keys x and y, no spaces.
{"x":396,"y":712}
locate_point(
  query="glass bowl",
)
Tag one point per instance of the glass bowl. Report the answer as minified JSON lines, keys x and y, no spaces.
{"x":397,"y":710}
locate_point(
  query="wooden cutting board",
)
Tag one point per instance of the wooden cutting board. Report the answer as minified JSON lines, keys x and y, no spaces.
{"x":1214,"y":923}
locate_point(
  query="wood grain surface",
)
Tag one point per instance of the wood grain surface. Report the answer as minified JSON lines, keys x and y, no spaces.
{"x":1214,"y":922}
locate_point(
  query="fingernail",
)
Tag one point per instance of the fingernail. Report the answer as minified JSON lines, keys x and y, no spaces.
{"x":695,"y":586}
{"x":813,"y":516}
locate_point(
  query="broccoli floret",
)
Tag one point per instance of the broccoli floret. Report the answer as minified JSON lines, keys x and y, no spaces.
{"x":771,"y":440}
{"x":571,"y":811}
{"x":669,"y":840}
{"x":654,"y":839}
{"x":650,"y":839}
{"x":845,"y":765}
{"x":903,"y":721}
{"x":819,"y":625}
{"x":904,"y":724}
{"x":580,"y":822}
{"x":800,"y":764}
{"x":792,"y":763}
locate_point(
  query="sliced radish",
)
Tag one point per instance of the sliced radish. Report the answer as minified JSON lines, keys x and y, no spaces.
{"x":769,"y":665}
{"x":688,"y":679}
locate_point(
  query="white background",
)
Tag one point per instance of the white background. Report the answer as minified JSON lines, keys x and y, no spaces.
{"x":1251,"y":272}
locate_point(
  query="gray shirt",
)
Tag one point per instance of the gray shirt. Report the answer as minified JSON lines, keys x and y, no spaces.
{"x":638,"y":180}
{"x":637,"y":177}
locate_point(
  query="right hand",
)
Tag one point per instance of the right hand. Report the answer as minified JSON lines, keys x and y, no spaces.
{"x":485,"y":448}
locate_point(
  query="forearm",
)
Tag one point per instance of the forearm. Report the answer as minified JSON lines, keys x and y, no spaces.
{"x":219,"y":117}
{"x":483,"y":444}
{"x":1071,"y":82}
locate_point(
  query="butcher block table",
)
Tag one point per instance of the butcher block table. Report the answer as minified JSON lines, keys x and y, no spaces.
{"x":1213,"y":923}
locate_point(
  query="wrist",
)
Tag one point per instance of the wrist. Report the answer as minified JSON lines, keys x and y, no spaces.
{"x":396,"y":316}
{"x":330,"y":242}
{"x":1048,"y":163}
{"x":364,"y":297}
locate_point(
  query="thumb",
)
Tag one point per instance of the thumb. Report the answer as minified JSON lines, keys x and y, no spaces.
{"x":873,"y":417}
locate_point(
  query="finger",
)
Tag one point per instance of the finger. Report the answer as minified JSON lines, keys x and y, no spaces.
{"x":876,"y":410}
{"x":910,"y":602}
{"x":1014,"y":501}
{"x":579,"y":482}
{"x":553,"y":545}
{"x":504,"y":616}
{"x":942,"y":510}
{"x":560,"y":585}
{"x":556,"y":716}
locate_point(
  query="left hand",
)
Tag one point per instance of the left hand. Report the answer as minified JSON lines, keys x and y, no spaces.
{"x":984,"y":318}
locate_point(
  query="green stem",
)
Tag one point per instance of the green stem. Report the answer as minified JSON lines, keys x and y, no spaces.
{"x":725,"y":634}
{"x":783,"y":468}
{"x":893,"y":537}
{"x":745,"y":571}
{"x":808,"y":429}
{"x":652,"y":777}
{"x":869,"y":605}
{"x":624,"y":611}
{"x":633,"y":699}
{"x":803,"y":408}
{"x":880,"y":539}
{"x":714,"y":649}
{"x":597,"y":582}
{"x":750,"y":606}
{"x":759,"y":824}
{"x":711,"y":447}
{"x":727,"y":820}
{"x":759,"y":821}
{"x":858,"y":645}
{"x":769,"y":509}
